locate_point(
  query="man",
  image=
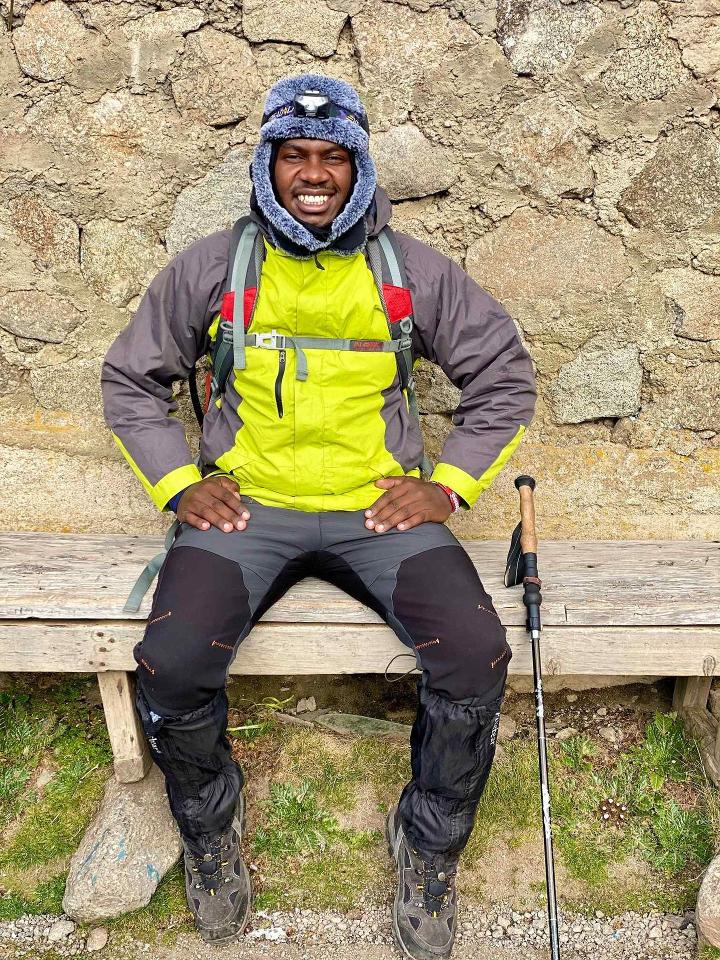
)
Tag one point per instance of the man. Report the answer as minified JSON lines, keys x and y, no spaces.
{"x":311,"y":466}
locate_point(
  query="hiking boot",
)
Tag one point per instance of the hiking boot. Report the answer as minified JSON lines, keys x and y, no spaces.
{"x":425,"y":908}
{"x":217,"y":882}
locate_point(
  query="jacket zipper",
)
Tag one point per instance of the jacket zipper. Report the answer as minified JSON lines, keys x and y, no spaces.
{"x":278,"y":382}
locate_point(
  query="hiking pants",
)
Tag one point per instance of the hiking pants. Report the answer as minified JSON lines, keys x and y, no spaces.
{"x":214,"y":586}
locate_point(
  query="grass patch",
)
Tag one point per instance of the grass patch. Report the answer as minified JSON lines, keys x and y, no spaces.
{"x":59,"y":729}
{"x":653,"y":858}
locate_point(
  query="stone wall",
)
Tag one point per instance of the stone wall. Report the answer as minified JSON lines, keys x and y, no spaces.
{"x":566,"y":153}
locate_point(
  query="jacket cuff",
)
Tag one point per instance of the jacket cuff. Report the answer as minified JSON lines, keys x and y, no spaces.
{"x":464,"y":485}
{"x":174,"y":482}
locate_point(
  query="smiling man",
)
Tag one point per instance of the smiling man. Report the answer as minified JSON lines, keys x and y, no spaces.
{"x":311,"y":463}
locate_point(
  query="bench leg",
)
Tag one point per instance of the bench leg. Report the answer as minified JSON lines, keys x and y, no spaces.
{"x":691,"y":693}
{"x":130,"y":750}
{"x":690,"y":701}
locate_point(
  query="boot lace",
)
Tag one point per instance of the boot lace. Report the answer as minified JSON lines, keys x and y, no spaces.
{"x":436,"y":886}
{"x":208,"y":866}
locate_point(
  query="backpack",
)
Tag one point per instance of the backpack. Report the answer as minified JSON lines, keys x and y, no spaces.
{"x":227,"y":350}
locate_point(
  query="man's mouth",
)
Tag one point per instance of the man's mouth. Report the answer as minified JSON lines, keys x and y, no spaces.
{"x":313,"y":201}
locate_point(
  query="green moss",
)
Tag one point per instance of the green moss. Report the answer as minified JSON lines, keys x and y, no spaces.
{"x":339,"y":879}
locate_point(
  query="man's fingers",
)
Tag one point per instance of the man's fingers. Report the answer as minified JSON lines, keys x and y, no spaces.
{"x":229,"y":495}
{"x":195,"y":521}
{"x":203,"y":522}
{"x":227,"y":484}
{"x":414,"y":521}
{"x":392,"y":519}
{"x":394,"y":510}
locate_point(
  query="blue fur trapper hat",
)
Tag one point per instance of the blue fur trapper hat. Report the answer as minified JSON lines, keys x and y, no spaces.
{"x":348,"y":131}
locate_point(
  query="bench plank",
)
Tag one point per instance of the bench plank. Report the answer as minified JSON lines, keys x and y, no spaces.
{"x":73,"y":576}
{"x":304,"y":648}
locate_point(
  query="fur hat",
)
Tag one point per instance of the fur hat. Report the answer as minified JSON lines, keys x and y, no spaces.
{"x":342,"y":130}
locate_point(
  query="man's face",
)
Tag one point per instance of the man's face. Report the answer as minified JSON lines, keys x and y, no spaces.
{"x":313,"y":179}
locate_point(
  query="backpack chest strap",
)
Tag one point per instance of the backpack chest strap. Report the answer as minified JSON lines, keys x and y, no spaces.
{"x":273,"y":340}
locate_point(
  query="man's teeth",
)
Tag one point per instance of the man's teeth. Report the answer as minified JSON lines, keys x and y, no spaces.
{"x":315,"y":200}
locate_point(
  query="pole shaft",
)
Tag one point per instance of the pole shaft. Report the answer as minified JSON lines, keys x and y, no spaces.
{"x":545,"y":798}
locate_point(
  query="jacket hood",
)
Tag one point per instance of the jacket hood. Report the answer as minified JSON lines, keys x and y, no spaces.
{"x":348,"y":128}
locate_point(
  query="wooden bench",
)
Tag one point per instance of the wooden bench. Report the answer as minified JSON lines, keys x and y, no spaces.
{"x":609,"y":607}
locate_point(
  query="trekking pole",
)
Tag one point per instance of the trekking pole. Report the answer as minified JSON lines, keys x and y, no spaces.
{"x":522,"y":567}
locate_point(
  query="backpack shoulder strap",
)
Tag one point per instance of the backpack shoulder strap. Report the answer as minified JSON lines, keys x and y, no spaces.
{"x":242,"y":282}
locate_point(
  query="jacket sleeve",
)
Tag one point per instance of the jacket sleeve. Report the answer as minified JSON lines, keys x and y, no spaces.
{"x":460,"y":327}
{"x":159,"y":346}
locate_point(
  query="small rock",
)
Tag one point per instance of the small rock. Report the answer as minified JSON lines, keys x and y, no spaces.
{"x":571,"y":697}
{"x":601,"y":712}
{"x":60,"y":930}
{"x":96,"y":940}
{"x":609,"y":734}
{"x":507,"y":729}
{"x":566,"y":733}
{"x":306,"y":705}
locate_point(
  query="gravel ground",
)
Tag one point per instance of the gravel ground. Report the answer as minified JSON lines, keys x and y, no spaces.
{"x":506,"y":935}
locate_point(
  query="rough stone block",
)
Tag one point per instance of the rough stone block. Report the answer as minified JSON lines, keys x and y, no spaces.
{"x":598,"y":383}
{"x":216,"y":80}
{"x":156,"y":40}
{"x":119,"y":259}
{"x":532,"y":255}
{"x":51,"y":41}
{"x":680,"y":186}
{"x":541,"y":38}
{"x":409,"y":165}
{"x":215,"y":203}
{"x":707,"y":914}
{"x":37,"y":316}
{"x":128,"y":848}
{"x":315,"y":25}
{"x":694,"y":299}
{"x":543,"y":147}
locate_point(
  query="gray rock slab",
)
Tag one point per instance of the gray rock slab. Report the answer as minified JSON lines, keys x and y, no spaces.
{"x":598,"y":383}
{"x":214,"y":203}
{"x":707,"y":915}
{"x":130,"y":845}
{"x":409,"y":165}
{"x":349,"y":723}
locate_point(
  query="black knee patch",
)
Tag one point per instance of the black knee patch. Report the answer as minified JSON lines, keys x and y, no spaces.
{"x":200,"y":611}
{"x":442,"y":604}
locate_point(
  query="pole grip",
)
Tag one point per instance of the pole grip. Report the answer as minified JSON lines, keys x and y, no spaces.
{"x":528,"y":537}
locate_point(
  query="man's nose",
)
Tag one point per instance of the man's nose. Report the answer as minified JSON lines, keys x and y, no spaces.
{"x":314,"y":172}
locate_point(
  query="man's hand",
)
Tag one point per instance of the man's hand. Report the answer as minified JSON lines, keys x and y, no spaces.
{"x":215,"y":502}
{"x":407,"y":501}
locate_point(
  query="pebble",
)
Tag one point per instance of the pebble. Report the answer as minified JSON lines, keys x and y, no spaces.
{"x":96,"y":940}
{"x":628,"y":936}
{"x":60,"y":930}
{"x":565,"y":733}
